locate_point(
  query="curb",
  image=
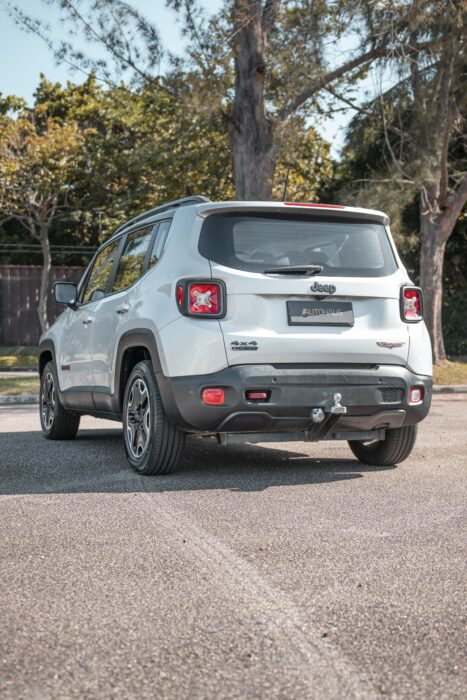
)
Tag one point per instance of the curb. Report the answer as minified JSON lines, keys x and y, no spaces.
{"x":450,"y":389}
{"x":21,"y":399}
{"x":34,"y":398}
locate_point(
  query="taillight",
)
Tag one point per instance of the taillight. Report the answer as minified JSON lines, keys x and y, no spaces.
{"x":180,"y":295}
{"x":204,"y":298}
{"x":411,"y":304}
{"x":201,"y":298}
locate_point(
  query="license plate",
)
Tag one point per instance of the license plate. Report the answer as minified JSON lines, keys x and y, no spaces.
{"x":320,"y":313}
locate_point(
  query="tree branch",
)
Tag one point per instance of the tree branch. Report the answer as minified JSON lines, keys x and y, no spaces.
{"x":443,"y":126}
{"x":456,"y":201}
{"x":268,"y":16}
{"x":105,"y":43}
{"x":360,"y":110}
{"x":347,"y":67}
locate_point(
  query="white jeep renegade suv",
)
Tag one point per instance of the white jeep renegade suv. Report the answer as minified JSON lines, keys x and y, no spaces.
{"x":248,"y":321}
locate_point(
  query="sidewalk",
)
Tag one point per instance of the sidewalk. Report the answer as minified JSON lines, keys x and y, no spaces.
{"x":12,"y":373}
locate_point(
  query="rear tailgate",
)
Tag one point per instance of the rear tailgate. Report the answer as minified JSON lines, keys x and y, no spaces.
{"x":348,"y":312}
{"x":257,"y":328}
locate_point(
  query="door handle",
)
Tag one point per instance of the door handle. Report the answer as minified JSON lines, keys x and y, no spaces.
{"x":88,"y":320}
{"x":122,"y":309}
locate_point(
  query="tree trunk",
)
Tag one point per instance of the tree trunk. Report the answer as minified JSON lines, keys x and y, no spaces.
{"x":438,"y":217}
{"x":431,"y":281}
{"x":251,"y":130}
{"x":45,"y":277}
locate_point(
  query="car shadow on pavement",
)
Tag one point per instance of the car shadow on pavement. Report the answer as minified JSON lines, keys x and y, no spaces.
{"x":95,"y":463}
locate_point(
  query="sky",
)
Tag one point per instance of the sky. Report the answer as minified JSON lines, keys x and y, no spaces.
{"x":24,"y":56}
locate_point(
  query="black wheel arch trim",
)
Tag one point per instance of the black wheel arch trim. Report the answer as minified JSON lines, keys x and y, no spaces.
{"x":142,"y":337}
{"x":136,"y":338}
{"x":46,"y":346}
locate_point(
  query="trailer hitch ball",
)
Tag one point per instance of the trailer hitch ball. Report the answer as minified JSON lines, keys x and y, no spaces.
{"x":337,"y":408}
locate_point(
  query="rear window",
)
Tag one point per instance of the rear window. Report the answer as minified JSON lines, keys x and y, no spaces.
{"x":257,"y":242}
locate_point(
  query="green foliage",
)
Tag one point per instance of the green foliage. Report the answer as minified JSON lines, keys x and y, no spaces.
{"x":38,"y":164}
{"x":369,"y":177}
{"x":303,"y":156}
{"x":138,"y":148}
{"x":455,"y":291}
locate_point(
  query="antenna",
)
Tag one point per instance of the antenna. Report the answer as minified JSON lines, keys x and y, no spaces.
{"x":286,"y":185}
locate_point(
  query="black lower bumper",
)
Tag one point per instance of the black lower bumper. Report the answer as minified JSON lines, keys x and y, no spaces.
{"x":375,"y":396}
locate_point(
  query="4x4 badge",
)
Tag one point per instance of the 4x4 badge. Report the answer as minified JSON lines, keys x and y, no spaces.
{"x":390,"y":346}
{"x":326,"y":288}
{"x":244,"y":345}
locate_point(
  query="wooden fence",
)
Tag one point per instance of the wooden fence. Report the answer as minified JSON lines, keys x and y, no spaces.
{"x":19,"y":299}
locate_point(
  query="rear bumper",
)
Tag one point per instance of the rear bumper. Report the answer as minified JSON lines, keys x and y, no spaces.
{"x":375,"y":396}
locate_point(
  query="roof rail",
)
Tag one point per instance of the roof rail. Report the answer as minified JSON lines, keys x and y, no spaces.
{"x":185,"y":201}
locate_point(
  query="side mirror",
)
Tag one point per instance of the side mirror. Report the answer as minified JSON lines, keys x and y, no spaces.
{"x":66,"y":293}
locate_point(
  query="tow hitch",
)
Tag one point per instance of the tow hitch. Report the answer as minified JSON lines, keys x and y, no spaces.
{"x":324,"y":419}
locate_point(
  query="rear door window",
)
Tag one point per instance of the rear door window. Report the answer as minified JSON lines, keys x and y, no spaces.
{"x":131,"y":263}
{"x":99,"y":274}
{"x":344,"y":248}
{"x":159,"y":243}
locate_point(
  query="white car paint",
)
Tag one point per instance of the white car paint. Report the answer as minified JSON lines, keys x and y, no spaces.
{"x":86,"y":339}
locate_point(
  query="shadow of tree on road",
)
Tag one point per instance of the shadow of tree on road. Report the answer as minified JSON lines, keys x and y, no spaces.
{"x":95,"y":463}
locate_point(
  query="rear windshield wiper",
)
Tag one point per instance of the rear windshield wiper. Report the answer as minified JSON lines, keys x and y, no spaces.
{"x":306,"y":270}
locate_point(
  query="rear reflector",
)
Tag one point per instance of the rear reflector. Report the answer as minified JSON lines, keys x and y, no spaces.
{"x":257,"y":395}
{"x":411,"y":304}
{"x":416,"y":395}
{"x":213,"y":397}
{"x":314,"y":205}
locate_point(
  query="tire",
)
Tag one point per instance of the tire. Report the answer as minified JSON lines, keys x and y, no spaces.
{"x":153,"y":445}
{"x":397,"y":446}
{"x":56,"y":422}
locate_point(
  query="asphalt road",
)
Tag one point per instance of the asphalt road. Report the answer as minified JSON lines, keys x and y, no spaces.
{"x":280,"y":571}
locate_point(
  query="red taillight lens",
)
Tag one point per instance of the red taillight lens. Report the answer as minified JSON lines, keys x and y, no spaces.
{"x":180,"y":295}
{"x":204,"y":298}
{"x":416,"y":395}
{"x":201,"y":298}
{"x":411,"y":304}
{"x":213,"y":397}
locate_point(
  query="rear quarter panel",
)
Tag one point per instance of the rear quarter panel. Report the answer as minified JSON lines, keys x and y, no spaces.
{"x":185,"y":346}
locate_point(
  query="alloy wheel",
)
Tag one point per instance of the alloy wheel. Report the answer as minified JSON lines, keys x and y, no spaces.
{"x":138,"y":414}
{"x":48,"y":400}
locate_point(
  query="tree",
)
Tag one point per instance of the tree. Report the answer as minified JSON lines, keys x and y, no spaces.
{"x":140,"y":147}
{"x":439,"y":124}
{"x":412,"y":138}
{"x":36,"y":167}
{"x":262,"y":61}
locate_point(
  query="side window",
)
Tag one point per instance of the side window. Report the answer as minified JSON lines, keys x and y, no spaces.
{"x":100,"y":272}
{"x":132,"y":259}
{"x":159,"y":242}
